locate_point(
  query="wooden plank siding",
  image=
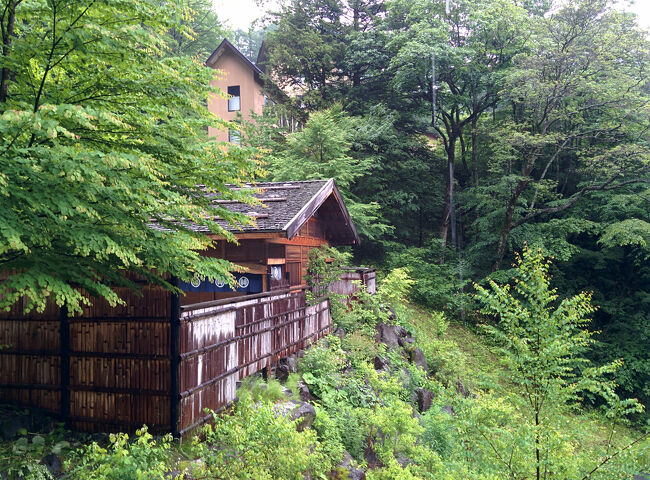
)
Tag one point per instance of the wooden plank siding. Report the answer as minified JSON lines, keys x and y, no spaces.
{"x":117,"y":369}
{"x":225,"y":341}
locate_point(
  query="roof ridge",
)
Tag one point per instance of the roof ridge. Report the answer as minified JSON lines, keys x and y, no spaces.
{"x":287,"y":182}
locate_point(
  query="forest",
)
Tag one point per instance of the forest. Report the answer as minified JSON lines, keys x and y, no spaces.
{"x":493,"y":154}
{"x":461,"y":136}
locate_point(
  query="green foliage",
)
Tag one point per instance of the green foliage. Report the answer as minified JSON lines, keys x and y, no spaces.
{"x":143,"y":458}
{"x":21,"y":458}
{"x":197,"y":30}
{"x":321,"y":366}
{"x":255,"y":442}
{"x":322,"y":150}
{"x":437,"y":432}
{"x":436,"y":285}
{"x":543,"y":343}
{"x":255,"y":389}
{"x":102,"y":134}
{"x":326,"y":265}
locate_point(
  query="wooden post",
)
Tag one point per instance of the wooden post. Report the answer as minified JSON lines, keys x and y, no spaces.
{"x":175,"y":327}
{"x":64,"y":338}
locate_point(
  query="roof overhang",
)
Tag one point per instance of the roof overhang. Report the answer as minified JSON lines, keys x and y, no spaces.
{"x":328,"y":190}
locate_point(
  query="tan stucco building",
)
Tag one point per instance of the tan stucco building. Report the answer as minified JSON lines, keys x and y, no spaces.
{"x":241,"y":80}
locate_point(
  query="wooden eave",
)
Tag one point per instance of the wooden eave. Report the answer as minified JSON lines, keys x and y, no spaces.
{"x":309,"y":209}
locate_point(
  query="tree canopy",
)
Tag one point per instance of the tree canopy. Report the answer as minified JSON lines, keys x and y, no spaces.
{"x":104,"y":158}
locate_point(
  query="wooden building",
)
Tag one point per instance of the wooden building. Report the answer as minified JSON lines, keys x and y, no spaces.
{"x":160,"y":360}
{"x":294,"y":218}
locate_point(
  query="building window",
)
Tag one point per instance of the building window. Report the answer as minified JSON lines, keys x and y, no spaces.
{"x":234,"y":103}
{"x":234,"y":136}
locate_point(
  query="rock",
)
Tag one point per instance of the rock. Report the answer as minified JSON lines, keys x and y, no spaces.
{"x":448,"y":410}
{"x":400,"y":331}
{"x":353,"y":473}
{"x":380,"y":363}
{"x":52,"y":463}
{"x":338,"y":332}
{"x":403,"y":460}
{"x":642,"y":476}
{"x":387,"y":334}
{"x":424,"y":398}
{"x":460,"y":389}
{"x":282,"y":372}
{"x":292,"y":363}
{"x":305,"y":413}
{"x":371,"y":457}
{"x":406,"y":341}
{"x":417,"y":358}
{"x":305,"y":394}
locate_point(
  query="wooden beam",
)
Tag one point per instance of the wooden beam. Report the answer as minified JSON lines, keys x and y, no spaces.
{"x":252,"y":235}
{"x":174,"y":353}
{"x":300,"y":241}
{"x":252,"y":267}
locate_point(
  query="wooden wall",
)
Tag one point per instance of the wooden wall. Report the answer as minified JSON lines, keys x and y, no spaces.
{"x":106,"y":370}
{"x":227,"y":341}
{"x":30,"y":357}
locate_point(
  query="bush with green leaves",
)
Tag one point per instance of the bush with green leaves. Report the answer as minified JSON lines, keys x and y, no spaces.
{"x":21,"y":458}
{"x":144,"y":457}
{"x":258,"y":390}
{"x":321,"y":366}
{"x":253,"y":441}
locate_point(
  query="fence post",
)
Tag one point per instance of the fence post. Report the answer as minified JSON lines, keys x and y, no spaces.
{"x":64,"y":339}
{"x":174,"y":336}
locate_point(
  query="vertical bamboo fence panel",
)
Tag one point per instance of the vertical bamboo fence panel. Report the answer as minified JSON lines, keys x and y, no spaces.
{"x":150,"y":361}
{"x":105,"y":370}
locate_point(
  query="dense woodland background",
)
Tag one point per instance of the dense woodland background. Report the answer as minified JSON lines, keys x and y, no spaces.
{"x":458,"y":137}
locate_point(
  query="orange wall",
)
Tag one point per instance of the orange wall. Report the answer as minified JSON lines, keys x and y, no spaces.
{"x":234,"y":71}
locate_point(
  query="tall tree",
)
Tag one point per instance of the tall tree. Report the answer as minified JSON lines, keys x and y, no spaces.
{"x":103,"y":154}
{"x":452,"y":65}
{"x":543,"y":341}
{"x":309,"y":67}
{"x":196,"y":29}
{"x":579,"y":114}
{"x":322,"y":150}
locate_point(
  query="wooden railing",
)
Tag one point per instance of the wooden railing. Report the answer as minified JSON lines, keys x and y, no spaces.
{"x":224,"y":341}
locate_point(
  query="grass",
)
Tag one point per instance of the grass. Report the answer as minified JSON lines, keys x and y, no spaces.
{"x":459,"y":351}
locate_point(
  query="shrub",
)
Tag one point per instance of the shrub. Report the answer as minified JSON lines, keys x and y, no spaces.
{"x":255,"y":442}
{"x":258,"y":390}
{"x":142,"y":458}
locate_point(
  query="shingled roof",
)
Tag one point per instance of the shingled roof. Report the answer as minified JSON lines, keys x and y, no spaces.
{"x":286,"y":206}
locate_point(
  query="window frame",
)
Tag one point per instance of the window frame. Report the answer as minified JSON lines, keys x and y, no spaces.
{"x":232,"y":98}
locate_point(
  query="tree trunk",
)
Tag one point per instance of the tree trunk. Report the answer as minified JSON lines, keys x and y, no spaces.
{"x":356,"y":75}
{"x":7,"y":33}
{"x":474,"y":153}
{"x":510,"y":212}
{"x":449,"y":216}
